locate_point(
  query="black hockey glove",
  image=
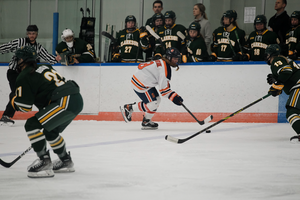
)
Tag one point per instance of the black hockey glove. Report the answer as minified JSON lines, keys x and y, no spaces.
{"x":212,"y":57}
{"x":293,"y":56}
{"x":176,"y":98}
{"x":276,"y":89}
{"x":245,"y":57}
{"x":270,"y":79}
{"x":237,"y":57}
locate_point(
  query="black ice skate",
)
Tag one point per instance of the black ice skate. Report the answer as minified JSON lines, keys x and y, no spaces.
{"x":147,"y":124}
{"x":64,"y":164}
{"x":6,"y":121}
{"x":295,"y":139}
{"x":41,"y":168}
{"x":127,"y":112}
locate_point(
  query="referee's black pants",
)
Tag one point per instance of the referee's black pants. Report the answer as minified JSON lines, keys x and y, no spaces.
{"x":11,"y":77}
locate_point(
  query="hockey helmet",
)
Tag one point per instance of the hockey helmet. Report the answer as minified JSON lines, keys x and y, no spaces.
{"x":66,"y":33}
{"x":195,"y":26}
{"x":231,"y":14}
{"x":296,"y":14}
{"x":271,"y":50}
{"x":32,"y":28}
{"x":158,"y":16}
{"x":128,"y":19}
{"x":26,"y":53}
{"x":260,"y":19}
{"x":172,"y":52}
{"x":170,"y":14}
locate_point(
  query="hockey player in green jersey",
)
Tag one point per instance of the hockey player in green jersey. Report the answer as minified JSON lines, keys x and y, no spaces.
{"x":58,"y":101}
{"x":76,"y":49}
{"x":128,"y":43}
{"x":293,"y":37}
{"x":169,"y":35}
{"x":222,"y":49}
{"x":196,"y":46}
{"x":259,"y":39}
{"x":285,"y":76}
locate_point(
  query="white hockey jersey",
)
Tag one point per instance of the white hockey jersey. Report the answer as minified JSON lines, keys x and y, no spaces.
{"x":152,"y":74}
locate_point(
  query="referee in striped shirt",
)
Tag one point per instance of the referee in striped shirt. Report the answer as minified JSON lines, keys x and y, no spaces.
{"x":12,"y":72}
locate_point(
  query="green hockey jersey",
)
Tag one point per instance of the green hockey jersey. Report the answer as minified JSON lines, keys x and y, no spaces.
{"x":257,"y":44}
{"x":36,"y":88}
{"x":293,"y":40}
{"x":170,"y":38}
{"x":196,"y":49}
{"x":129,"y":46}
{"x":81,"y":49}
{"x":221,"y":46}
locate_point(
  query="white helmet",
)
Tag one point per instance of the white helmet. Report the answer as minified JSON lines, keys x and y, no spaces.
{"x":67,"y":33}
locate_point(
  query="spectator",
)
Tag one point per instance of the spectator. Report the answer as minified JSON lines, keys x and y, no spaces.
{"x":172,"y":35}
{"x":293,"y":36}
{"x":76,"y":49}
{"x":259,"y":39}
{"x":128,"y":48}
{"x":280,"y":23}
{"x":12,"y":72}
{"x":228,"y":40}
{"x":196,"y":48}
{"x":201,"y":18}
{"x":157,"y":8}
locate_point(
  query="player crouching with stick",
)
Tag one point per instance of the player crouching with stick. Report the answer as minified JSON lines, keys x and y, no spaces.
{"x":58,"y":101}
{"x":145,"y":79}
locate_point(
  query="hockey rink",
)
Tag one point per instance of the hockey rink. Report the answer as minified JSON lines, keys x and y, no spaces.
{"x":118,"y":160}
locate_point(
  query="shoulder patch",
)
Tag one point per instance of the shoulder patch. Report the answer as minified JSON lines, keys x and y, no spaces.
{"x":161,"y":32}
{"x":122,"y":36}
{"x":251,"y":38}
{"x":219,"y":34}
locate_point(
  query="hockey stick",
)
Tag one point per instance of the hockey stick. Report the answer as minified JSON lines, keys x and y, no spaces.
{"x":106,"y":34}
{"x":150,"y":30}
{"x":179,"y":141}
{"x":179,"y":34}
{"x":206,"y":120}
{"x":8,"y":165}
{"x":231,"y":47}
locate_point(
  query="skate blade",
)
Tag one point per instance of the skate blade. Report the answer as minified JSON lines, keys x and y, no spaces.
{"x":65,"y":170}
{"x":149,"y":128}
{"x":41,"y":174}
{"x":123,"y":114}
{"x":6,"y":123}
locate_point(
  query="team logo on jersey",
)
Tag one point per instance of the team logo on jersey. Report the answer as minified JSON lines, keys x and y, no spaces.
{"x":258,"y":38}
{"x":168,"y":32}
{"x":226,"y":34}
{"x":129,"y":36}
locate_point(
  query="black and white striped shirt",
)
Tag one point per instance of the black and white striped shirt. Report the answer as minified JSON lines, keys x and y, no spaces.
{"x":13,"y":45}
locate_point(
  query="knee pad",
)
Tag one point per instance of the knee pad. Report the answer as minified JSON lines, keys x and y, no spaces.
{"x":152,"y":106}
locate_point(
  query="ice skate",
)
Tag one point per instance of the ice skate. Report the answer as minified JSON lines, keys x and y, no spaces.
{"x":147,"y":124}
{"x":6,"y":121}
{"x":64,"y":164}
{"x":41,"y":168}
{"x":127,"y":111}
{"x":295,"y":139}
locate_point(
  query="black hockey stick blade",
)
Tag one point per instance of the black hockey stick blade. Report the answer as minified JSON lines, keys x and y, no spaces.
{"x":206,"y":120}
{"x":180,"y":141}
{"x":106,"y":34}
{"x":8,"y":165}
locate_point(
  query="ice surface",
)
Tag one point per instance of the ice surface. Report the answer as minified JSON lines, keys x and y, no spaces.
{"x":118,"y":160}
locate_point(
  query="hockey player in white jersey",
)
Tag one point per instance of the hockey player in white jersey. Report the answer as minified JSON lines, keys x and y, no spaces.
{"x":145,"y":79}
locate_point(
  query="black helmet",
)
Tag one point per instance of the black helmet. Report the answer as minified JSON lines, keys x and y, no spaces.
{"x":27,"y":53}
{"x":128,"y":19}
{"x":170,"y":14}
{"x":173,"y":52}
{"x":296,"y":14}
{"x":231,"y":14}
{"x":32,"y":28}
{"x":158,"y":16}
{"x":195,"y":26}
{"x":271,"y":50}
{"x":260,"y":19}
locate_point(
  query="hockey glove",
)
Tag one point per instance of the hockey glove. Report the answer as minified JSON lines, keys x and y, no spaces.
{"x":71,"y":59}
{"x":245,"y":57}
{"x":184,"y":59}
{"x":237,"y":57}
{"x":276,"y":89}
{"x":270,"y":79}
{"x":293,"y":55}
{"x":157,"y":56}
{"x":116,"y":58}
{"x":212,"y":57}
{"x":175,"y":98}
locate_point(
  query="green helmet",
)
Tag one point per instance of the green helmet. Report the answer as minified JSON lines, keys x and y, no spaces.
{"x":128,"y":19}
{"x":170,"y":14}
{"x":271,"y":50}
{"x":231,"y":14}
{"x":27,"y":53}
{"x":296,"y":14}
{"x":260,"y":19}
{"x":195,"y":26}
{"x":158,"y":16}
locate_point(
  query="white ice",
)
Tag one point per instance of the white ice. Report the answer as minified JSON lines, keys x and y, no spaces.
{"x":118,"y":160}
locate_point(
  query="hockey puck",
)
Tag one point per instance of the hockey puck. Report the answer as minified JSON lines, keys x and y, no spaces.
{"x":208,"y":131}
